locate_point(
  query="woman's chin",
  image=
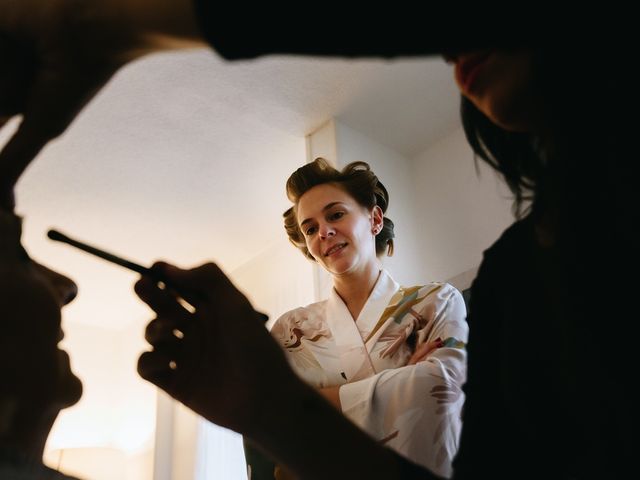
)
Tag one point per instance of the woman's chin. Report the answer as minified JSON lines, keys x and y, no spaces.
{"x":69,"y":391}
{"x":73,"y":392}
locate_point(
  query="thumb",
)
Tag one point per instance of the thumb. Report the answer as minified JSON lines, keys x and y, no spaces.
{"x":205,"y":282}
{"x":200,"y":281}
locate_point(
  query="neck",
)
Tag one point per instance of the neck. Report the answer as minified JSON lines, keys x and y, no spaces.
{"x":23,"y":450}
{"x":24,"y":438}
{"x":354,"y":288}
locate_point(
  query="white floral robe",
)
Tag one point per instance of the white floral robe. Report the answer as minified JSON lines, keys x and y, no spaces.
{"x":413,"y":409}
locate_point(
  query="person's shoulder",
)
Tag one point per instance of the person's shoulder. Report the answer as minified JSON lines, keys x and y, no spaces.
{"x":436,"y":286}
{"x":448,"y":294}
{"x":516,"y":236}
{"x":451,"y":293}
{"x":434,"y":290}
{"x":511,"y":256}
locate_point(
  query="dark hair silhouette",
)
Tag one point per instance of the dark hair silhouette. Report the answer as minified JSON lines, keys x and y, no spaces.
{"x":573,"y":165}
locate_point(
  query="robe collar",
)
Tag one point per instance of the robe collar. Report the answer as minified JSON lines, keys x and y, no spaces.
{"x":347,"y":331}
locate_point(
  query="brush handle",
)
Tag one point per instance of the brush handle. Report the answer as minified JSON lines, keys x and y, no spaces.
{"x":61,"y":237}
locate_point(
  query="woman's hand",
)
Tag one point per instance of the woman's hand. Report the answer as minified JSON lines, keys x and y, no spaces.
{"x":219,"y":360}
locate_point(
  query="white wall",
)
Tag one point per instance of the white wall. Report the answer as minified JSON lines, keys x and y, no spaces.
{"x":277,"y":280}
{"x":446,"y":210}
{"x":394,"y":171}
{"x":462,"y":212}
{"x":110,"y":432}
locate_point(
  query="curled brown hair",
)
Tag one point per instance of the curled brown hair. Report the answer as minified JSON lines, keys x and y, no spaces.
{"x":356,"y":179}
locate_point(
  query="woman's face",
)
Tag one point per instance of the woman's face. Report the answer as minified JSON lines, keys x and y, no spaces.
{"x":31,"y":297}
{"x":338,"y":231}
{"x":500,"y":85}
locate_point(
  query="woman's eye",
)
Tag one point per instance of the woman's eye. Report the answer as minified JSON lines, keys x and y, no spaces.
{"x":336,"y":215}
{"x":310,"y":231}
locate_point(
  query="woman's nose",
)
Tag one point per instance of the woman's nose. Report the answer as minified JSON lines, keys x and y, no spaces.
{"x":66,"y":288}
{"x":326,"y":231}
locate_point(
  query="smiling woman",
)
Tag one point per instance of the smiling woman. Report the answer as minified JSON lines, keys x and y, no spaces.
{"x":390,"y":358}
{"x":37,"y":377}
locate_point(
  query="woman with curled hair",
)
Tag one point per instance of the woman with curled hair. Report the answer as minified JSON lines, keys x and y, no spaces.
{"x":391,"y":358}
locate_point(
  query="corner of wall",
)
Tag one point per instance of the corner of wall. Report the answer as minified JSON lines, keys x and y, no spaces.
{"x":322,"y":143}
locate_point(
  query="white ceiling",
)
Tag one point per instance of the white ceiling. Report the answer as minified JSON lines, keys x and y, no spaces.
{"x":184,"y":156}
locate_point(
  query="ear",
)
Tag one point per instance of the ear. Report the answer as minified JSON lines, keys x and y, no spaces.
{"x":377,"y":218}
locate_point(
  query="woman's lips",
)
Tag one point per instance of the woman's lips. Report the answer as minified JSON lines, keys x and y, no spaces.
{"x":467,"y":68}
{"x":334,"y":249}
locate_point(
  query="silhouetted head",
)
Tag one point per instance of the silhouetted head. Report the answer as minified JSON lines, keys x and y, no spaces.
{"x":37,"y":376}
{"x":543,"y":118}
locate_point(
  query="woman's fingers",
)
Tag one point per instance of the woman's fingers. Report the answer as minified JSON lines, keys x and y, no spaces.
{"x":158,"y":367}
{"x":161,"y":300}
{"x":204,"y":284}
{"x":165,"y":330}
{"x":203,"y":281}
{"x":169,"y":357}
{"x":19,"y":61}
{"x":16,"y":155}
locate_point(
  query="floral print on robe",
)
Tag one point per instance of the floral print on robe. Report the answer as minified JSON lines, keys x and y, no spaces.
{"x":413,"y":409}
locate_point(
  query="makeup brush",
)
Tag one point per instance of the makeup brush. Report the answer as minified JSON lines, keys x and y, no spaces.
{"x":110,"y":257}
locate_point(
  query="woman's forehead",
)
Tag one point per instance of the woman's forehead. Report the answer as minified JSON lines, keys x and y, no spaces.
{"x":318,"y":196}
{"x":314,"y":200}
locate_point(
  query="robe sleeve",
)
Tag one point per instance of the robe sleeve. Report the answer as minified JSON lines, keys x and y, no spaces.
{"x":416,"y":409}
